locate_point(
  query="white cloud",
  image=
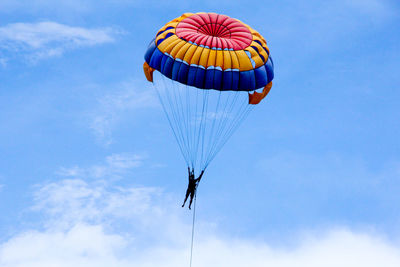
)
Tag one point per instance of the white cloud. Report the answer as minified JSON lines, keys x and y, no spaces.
{"x":40,"y":40}
{"x":86,"y":222}
{"x":81,"y":245}
{"x":85,"y":231}
{"x":111,"y":107}
{"x":85,"y":245}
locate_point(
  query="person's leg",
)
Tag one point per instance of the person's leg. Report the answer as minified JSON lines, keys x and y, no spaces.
{"x":186,"y":197}
{"x":191,"y":200}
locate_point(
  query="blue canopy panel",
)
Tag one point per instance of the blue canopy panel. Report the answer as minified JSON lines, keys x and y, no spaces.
{"x":211,"y":77}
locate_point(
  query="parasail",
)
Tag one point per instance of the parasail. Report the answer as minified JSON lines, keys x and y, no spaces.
{"x":206,"y":68}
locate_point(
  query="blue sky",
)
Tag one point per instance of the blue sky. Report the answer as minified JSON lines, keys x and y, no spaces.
{"x":87,"y":154}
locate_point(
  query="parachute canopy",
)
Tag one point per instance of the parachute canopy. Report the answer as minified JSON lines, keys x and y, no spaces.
{"x":211,"y":51}
{"x":197,"y":52}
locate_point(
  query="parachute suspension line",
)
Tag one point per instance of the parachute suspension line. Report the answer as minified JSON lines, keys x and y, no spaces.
{"x":247,"y":109}
{"x":192,"y":105}
{"x":226,"y":117}
{"x":194,"y":123}
{"x":180,"y":117}
{"x":189,"y":123}
{"x":223,"y":137}
{"x":193,"y":224}
{"x":169,"y":121}
{"x":181,"y":109}
{"x":175,"y":124}
{"x":223,"y":118}
{"x":200,"y":138}
{"x":206,"y":115}
{"x":204,"y":118}
{"x":214,"y":118}
{"x":203,"y":122}
{"x":242,"y":114}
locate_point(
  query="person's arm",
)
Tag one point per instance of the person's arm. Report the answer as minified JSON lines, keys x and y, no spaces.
{"x":189,"y":171}
{"x":201,"y":174}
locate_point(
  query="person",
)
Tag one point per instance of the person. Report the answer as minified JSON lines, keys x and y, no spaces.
{"x":192,"y":186}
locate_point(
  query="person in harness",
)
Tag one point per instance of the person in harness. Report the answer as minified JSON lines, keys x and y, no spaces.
{"x":192,"y":186}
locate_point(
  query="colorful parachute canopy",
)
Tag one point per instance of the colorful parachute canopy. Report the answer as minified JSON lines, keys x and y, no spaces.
{"x":211,"y":51}
{"x":207,"y":51}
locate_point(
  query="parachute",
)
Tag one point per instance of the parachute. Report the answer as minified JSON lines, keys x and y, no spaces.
{"x":209,"y":67}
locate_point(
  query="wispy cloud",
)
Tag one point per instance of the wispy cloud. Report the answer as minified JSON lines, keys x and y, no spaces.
{"x":114,"y":166}
{"x":36,"y":41}
{"x":74,"y":201}
{"x":88,"y":194}
{"x":126,"y":98}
